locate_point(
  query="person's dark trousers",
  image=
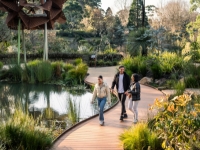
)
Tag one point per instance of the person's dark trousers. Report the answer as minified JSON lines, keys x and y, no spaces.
{"x":122,"y":98}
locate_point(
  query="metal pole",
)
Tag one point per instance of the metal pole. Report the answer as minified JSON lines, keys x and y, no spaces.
{"x":45,"y":51}
{"x":19,"y":28}
{"x":46,"y":41}
{"x":24,"y":48}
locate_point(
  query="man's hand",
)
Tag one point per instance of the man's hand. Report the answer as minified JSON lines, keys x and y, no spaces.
{"x":112,"y":91}
{"x":91,"y":102}
{"x":126,"y":93}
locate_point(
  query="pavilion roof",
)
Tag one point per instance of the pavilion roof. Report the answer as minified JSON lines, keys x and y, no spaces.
{"x":50,"y":12}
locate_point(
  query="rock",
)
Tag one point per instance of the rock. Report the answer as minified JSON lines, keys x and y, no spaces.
{"x":162,"y":88}
{"x":162,"y":81}
{"x":146,"y":80}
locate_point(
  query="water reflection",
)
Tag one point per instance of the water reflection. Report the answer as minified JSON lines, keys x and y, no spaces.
{"x":48,"y":101}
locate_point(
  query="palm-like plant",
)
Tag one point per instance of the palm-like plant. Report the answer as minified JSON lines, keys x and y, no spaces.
{"x":138,"y":41}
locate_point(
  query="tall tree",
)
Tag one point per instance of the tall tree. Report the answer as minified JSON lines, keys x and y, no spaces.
{"x":137,"y":16}
{"x":74,"y":14}
{"x":123,"y":6}
{"x":97,"y":21}
{"x":109,"y":21}
{"x":138,"y":42}
{"x":5,"y":34}
{"x":118,"y":38}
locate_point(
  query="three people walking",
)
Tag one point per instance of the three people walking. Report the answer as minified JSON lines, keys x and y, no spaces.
{"x":121,"y":81}
{"x":102,"y":92}
{"x":124,"y":89}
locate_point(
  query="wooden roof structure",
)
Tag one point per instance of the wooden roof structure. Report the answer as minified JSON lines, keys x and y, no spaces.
{"x":51,"y":12}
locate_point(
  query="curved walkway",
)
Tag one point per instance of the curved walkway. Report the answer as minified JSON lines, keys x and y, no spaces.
{"x":90,"y":135}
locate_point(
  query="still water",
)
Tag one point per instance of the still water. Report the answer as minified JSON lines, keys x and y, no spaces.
{"x":36,"y":99}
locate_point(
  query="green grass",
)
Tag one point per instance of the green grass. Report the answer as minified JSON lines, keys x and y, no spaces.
{"x":179,"y":87}
{"x":139,"y":137}
{"x":73,"y":111}
{"x":21,"y":132}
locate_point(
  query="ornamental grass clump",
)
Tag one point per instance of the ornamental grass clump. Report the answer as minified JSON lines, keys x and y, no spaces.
{"x":139,"y":137}
{"x":57,"y":69}
{"x":170,"y":62}
{"x":77,"y":74}
{"x":1,"y":65}
{"x":73,"y":111}
{"x":21,"y":132}
{"x":177,"y":121}
{"x":14,"y":73}
{"x":38,"y":71}
{"x":134,"y":64}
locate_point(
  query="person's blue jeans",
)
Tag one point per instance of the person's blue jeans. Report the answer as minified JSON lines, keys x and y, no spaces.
{"x":101,"y":104}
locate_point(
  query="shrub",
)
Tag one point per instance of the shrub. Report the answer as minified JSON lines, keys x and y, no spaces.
{"x":100,"y":63}
{"x":1,"y":65}
{"x":139,"y":137}
{"x":44,"y":71}
{"x":68,"y":67}
{"x":179,"y":87}
{"x":108,"y":63}
{"x":77,"y":61}
{"x":77,"y":74}
{"x":177,"y":121}
{"x":14,"y":73}
{"x":170,"y":61}
{"x":156,"y":71}
{"x":128,"y":63}
{"x":191,"y":82}
{"x":22,"y":132}
{"x":110,"y":51}
{"x":170,"y":83}
{"x":57,"y":69}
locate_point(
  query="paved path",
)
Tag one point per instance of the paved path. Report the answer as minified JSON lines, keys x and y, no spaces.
{"x":90,"y":135}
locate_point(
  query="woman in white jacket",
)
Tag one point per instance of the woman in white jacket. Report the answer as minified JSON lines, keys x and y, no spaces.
{"x":102,"y":92}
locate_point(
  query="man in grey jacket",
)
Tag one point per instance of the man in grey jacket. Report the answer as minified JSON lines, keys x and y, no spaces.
{"x":122,"y":82}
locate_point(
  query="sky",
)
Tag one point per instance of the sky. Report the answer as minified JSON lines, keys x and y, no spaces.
{"x":112,"y":5}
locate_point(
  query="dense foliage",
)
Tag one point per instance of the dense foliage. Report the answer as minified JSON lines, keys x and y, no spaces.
{"x":140,"y":137}
{"x":38,"y":71}
{"x":21,"y":132}
{"x":177,"y":122}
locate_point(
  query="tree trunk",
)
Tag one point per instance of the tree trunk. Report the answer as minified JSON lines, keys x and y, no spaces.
{"x":144,"y":50}
{"x":143,"y":13}
{"x":19,"y":29}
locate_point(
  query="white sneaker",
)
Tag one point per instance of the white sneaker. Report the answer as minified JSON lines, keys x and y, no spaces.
{"x":135,"y":121}
{"x":101,"y":123}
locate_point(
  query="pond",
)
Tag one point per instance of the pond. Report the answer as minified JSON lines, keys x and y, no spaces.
{"x":50,"y":102}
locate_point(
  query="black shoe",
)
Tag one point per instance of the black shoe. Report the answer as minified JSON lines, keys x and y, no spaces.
{"x":121,"y":118}
{"x":125,"y":116}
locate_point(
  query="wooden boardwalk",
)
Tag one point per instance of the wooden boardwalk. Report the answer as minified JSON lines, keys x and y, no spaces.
{"x":90,"y":135}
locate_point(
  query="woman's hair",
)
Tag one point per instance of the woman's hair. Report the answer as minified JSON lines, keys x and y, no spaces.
{"x":136,"y":77}
{"x":100,"y":76}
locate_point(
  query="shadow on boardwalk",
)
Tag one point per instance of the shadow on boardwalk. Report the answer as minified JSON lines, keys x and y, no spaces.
{"x":90,"y":135}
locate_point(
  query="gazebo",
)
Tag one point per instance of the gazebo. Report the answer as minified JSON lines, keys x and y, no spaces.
{"x":32,"y":15}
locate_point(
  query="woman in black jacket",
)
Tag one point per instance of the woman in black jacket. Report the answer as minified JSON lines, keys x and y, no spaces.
{"x":134,"y":95}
